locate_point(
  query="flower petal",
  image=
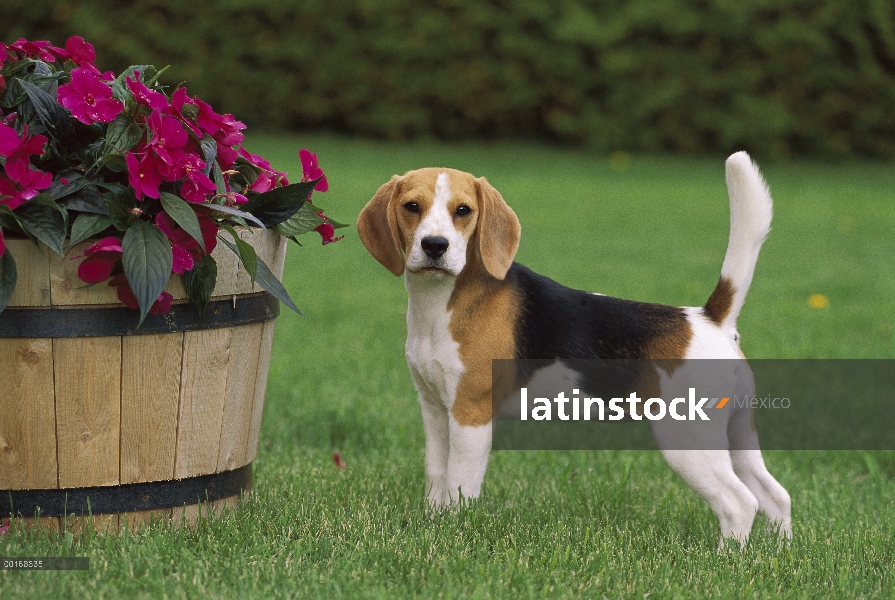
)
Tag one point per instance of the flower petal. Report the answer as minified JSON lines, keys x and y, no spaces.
{"x":96,"y":268}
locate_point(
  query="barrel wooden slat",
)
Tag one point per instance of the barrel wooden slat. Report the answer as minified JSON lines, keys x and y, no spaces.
{"x":276,"y":252}
{"x":88,"y":416}
{"x":33,"y":274}
{"x":27,"y":415}
{"x":206,"y":360}
{"x":228,"y":268}
{"x":88,"y":410}
{"x":260,"y":390}
{"x":150,"y":393}
{"x":239,"y":396}
{"x":257,"y":240}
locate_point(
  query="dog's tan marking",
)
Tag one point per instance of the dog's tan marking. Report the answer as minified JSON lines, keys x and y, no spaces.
{"x":498,"y":228}
{"x":483,"y":323}
{"x":720,"y":302}
{"x":671,"y":343}
{"x":377,"y":227}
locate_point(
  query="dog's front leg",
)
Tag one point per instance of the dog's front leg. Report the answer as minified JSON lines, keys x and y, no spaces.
{"x":435,"y":425}
{"x":468,"y":460}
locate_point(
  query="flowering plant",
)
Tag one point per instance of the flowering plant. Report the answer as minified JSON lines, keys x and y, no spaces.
{"x":157,"y":178}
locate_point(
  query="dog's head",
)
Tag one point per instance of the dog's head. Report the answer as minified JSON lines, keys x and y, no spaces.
{"x":436,"y":221}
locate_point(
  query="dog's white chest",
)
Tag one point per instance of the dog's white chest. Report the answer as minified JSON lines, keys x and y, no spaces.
{"x":432,"y":353}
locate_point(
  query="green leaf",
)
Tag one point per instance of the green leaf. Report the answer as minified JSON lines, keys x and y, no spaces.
{"x":122,"y":133}
{"x":268,"y":281}
{"x":190,"y":111}
{"x":44,"y":223}
{"x":246,"y":175}
{"x":8,"y":220}
{"x":209,"y":149}
{"x":87,"y":199}
{"x":246,"y":253}
{"x":200,"y":281}
{"x":56,"y":119}
{"x":219,"y":179}
{"x":119,"y":86}
{"x":7,"y":278}
{"x":87,"y":225}
{"x":235,"y":212}
{"x":329,"y":219}
{"x":147,"y":263}
{"x":47,"y":200}
{"x":184,"y":215}
{"x":119,"y":211}
{"x":74,"y":182}
{"x":277,"y":205}
{"x":114,"y":162}
{"x":303,"y":221}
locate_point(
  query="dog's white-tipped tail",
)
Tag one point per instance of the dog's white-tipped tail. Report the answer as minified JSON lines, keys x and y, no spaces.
{"x":750,"y":222}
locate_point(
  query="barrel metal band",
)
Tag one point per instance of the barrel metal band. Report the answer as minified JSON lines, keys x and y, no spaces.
{"x":35,"y":322}
{"x":125,"y":498}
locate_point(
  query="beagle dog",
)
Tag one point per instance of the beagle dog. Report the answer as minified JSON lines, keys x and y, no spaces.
{"x":454,"y":239}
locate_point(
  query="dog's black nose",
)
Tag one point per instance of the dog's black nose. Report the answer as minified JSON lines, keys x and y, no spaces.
{"x":434,"y":246}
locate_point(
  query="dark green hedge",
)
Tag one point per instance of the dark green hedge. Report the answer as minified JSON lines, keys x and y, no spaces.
{"x":777,"y":77}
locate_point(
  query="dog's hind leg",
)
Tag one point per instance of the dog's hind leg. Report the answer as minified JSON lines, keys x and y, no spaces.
{"x":748,"y":463}
{"x":773,"y":499}
{"x":711,"y":475}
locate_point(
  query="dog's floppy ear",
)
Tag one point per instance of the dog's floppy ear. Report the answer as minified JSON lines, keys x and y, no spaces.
{"x":498,"y":230}
{"x":378,"y":227}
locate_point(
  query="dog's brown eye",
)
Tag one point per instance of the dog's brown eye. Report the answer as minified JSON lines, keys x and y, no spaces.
{"x":463,"y":210}
{"x":412,"y":207}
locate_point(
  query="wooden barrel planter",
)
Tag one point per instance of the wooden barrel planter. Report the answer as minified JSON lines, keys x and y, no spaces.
{"x":100,"y":418}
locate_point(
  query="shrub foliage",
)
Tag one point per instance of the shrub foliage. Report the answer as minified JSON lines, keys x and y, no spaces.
{"x":777,"y":77}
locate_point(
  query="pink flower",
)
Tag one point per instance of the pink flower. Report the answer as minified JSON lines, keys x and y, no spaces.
{"x":89,"y":99}
{"x":327,"y":231}
{"x":196,"y":185}
{"x":268,"y":179}
{"x":33,"y":49}
{"x":225,"y":130}
{"x":144,"y":175}
{"x":100,"y":261}
{"x":9,"y":140}
{"x":18,"y":150}
{"x":21,"y":183}
{"x":179,"y":99}
{"x":79,"y":50}
{"x":4,"y":528}
{"x":234,"y":198}
{"x":168,"y":137}
{"x":126,"y":296}
{"x":186,"y":250}
{"x":311,"y":169}
{"x":143,"y":95}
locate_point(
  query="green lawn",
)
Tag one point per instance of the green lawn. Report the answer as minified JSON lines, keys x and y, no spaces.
{"x":554,"y":524}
